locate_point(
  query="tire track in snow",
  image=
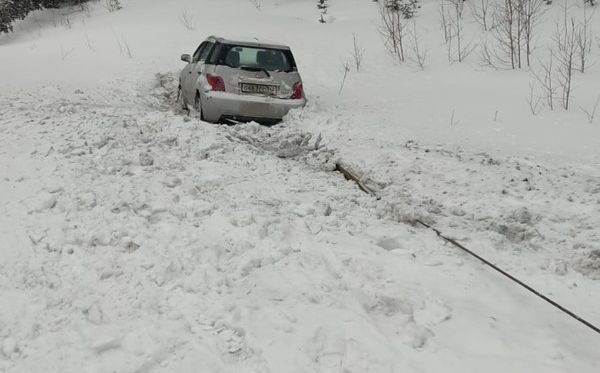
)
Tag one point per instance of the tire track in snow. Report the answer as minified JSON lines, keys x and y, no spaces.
{"x":113,"y":211}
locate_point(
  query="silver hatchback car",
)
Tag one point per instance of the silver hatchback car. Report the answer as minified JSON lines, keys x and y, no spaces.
{"x":230,"y":81}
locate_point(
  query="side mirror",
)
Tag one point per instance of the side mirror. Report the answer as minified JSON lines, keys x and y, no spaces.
{"x":186,"y":58}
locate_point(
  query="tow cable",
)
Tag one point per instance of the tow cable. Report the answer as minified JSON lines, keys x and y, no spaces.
{"x":350,"y":175}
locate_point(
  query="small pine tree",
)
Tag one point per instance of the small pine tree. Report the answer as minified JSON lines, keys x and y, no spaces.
{"x":113,"y":5}
{"x":407,"y":8}
{"x":322,"y":6}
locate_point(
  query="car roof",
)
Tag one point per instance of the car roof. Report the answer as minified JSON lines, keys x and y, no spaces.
{"x":248,"y":41}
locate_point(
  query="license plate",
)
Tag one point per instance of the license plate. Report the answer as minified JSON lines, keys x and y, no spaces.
{"x":260,"y":89}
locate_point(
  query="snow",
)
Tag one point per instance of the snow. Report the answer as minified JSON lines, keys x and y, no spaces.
{"x":232,"y":38}
{"x":137,"y":239}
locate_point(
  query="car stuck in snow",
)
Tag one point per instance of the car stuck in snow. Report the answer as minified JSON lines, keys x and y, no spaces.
{"x":231,"y":81}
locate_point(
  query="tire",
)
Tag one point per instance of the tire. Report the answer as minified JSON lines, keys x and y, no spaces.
{"x":198,"y":106}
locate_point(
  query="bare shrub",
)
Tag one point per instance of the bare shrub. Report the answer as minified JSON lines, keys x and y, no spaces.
{"x":393,"y":31}
{"x":591,"y":113}
{"x":89,"y":43}
{"x":445,"y":25}
{"x":546,"y":79}
{"x":584,"y":39}
{"x":346,"y":67}
{"x":480,"y":9}
{"x":565,"y":39}
{"x":127,"y":49}
{"x":357,"y":53}
{"x":419,"y":55}
{"x":496,"y":115}
{"x":461,"y":49}
{"x":64,"y":53}
{"x":530,"y":13}
{"x":123,"y":44}
{"x":533,"y":100}
{"x":453,"y":121}
{"x":505,"y":34}
{"x":488,"y":53}
{"x":513,"y":34}
{"x":187,"y":20}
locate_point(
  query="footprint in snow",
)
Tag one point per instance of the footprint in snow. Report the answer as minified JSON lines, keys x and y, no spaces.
{"x":41,"y":201}
{"x":172,"y":182}
{"x":397,"y":318}
{"x":335,"y":352}
{"x":389,"y":243}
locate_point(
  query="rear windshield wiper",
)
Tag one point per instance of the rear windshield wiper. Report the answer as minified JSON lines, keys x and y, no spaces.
{"x":252,"y":68}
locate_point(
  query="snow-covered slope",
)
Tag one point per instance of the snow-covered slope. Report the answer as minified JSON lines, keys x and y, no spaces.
{"x":136,"y":239}
{"x":396,"y":102}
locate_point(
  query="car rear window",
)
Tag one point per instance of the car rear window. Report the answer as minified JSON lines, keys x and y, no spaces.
{"x":255,"y":57}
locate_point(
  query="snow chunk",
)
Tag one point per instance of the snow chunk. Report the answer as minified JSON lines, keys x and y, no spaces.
{"x":589,"y":265}
{"x":146,"y":159}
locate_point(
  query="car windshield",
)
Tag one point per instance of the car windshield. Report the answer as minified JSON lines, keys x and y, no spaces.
{"x":256,"y":58}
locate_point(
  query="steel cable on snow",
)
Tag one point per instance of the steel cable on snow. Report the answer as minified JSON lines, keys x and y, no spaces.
{"x":511,"y":277}
{"x":348,"y":174}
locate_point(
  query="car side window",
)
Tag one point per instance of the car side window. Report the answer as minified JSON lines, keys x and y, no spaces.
{"x":206,"y":51}
{"x":198,"y":52}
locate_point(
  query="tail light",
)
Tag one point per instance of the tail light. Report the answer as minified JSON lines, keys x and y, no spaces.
{"x":297,"y":91}
{"x":215,"y":82}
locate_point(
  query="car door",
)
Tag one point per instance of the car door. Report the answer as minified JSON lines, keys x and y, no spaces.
{"x":187,"y":77}
{"x":198,"y":67}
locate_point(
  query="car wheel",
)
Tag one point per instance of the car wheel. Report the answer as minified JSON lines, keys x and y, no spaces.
{"x":181,"y":100}
{"x":198,"y":105}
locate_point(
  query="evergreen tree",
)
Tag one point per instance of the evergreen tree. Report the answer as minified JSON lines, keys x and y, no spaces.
{"x":12,"y":10}
{"x":6,"y":16}
{"x":322,"y":6}
{"x":407,"y":8}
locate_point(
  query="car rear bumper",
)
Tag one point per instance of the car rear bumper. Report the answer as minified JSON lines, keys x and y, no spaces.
{"x":233,"y":119}
{"x":217,"y":106}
